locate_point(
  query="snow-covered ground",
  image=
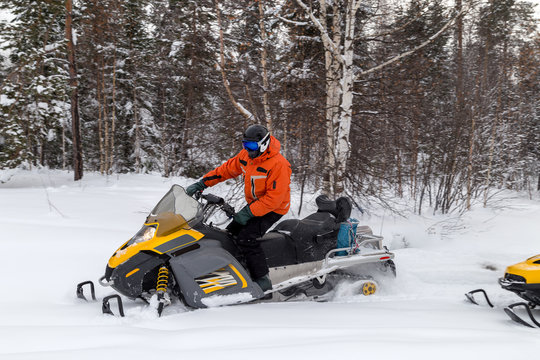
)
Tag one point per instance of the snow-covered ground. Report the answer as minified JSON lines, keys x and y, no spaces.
{"x":55,"y":233}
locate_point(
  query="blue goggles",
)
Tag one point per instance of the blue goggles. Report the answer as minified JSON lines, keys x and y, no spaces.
{"x":250,"y":145}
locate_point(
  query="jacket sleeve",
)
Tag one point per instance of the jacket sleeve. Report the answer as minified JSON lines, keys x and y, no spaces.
{"x":228,"y":170}
{"x":277,"y":188}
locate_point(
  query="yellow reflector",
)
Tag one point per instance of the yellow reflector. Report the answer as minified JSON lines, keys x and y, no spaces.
{"x":132,"y":272}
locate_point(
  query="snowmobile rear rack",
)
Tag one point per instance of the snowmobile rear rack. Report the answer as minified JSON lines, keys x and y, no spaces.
{"x":509,"y":310}
{"x":80,"y":290}
{"x":106,"y":307}
{"x":470,"y":296}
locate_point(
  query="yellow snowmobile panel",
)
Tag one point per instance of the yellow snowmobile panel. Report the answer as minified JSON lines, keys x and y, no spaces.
{"x":528,"y":269}
{"x":158,"y":244}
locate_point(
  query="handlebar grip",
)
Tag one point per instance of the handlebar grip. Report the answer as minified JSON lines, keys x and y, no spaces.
{"x":229,"y":210}
{"x":213,"y":199}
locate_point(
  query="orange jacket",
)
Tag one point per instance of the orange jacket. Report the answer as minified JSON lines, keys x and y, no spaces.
{"x":267,"y":179}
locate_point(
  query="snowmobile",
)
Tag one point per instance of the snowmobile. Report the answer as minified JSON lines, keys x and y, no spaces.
{"x":178,"y":254}
{"x":522,"y":279}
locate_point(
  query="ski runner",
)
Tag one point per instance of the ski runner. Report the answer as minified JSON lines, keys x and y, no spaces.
{"x":267,"y":178}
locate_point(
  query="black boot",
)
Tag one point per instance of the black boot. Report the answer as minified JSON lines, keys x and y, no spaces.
{"x":264,"y":282}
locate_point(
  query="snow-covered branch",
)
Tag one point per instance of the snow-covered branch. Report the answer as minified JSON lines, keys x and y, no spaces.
{"x":419,"y":47}
{"x":328,"y":43}
{"x":221,"y":66}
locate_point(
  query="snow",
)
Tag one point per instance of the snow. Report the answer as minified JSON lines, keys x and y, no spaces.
{"x":6,"y":101}
{"x":56,"y":233}
{"x":221,"y":300}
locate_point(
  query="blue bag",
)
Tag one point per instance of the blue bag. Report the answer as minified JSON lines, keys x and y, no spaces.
{"x":346,"y":235}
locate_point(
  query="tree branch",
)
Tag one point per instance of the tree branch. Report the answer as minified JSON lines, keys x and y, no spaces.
{"x":422,"y":45}
{"x":329,"y":44}
{"x":221,"y":66}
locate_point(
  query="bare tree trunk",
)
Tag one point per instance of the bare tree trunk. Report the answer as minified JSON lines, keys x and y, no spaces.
{"x":75,"y":120}
{"x":470,"y":162}
{"x":460,"y":99}
{"x":250,"y":99}
{"x":415,"y":149}
{"x":137,"y":132}
{"x":482,"y":90}
{"x":242,"y":110}
{"x":164,"y":134}
{"x":399,"y":174}
{"x":64,"y":152}
{"x":105,"y":127}
{"x":100,"y":118}
{"x":113,"y":114}
{"x":490,"y":160}
{"x":264,"y":56}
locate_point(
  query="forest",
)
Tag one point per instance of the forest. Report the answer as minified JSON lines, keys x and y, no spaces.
{"x":436,"y":101}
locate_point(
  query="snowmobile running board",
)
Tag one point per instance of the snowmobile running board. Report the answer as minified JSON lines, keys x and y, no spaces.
{"x":331,"y":264}
{"x":509,"y":310}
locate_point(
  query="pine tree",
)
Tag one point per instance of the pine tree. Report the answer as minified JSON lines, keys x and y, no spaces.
{"x":503,"y":27}
{"x":189,"y":105}
{"x":35,"y":92}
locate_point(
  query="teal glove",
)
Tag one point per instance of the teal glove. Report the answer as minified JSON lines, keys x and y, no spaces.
{"x":243,"y":216}
{"x":193,"y":188}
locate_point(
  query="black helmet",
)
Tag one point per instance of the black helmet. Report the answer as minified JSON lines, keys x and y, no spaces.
{"x":256,"y":140}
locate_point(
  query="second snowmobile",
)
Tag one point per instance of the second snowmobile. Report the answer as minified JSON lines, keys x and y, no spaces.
{"x":179,"y":254}
{"x":523,"y":279}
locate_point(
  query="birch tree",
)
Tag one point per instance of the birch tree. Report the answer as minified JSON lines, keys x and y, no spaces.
{"x":339,"y":37}
{"x":338,"y":44}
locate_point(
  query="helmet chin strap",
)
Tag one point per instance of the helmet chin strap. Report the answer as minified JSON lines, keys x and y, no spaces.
{"x":253,"y":154}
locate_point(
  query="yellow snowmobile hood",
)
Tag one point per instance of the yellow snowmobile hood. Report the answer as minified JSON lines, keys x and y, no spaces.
{"x":172,"y":232}
{"x":528,"y":269}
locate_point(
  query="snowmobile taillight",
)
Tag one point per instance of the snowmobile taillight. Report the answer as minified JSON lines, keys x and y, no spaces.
{"x":385,"y":258}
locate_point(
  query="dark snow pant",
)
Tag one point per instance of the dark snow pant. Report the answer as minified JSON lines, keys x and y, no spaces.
{"x":246,"y":239}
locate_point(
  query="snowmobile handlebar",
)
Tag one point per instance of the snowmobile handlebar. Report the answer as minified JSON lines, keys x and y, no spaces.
{"x":212,"y":199}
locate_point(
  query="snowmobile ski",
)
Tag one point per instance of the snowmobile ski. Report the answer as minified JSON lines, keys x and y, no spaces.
{"x":106,"y":307}
{"x":509,"y":310}
{"x":80,"y":290}
{"x":470,"y":296}
{"x":523,"y":279}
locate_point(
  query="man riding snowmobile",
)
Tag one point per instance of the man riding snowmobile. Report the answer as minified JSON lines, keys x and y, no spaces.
{"x":267,"y":177}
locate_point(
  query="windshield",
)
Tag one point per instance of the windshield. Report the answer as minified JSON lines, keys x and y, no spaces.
{"x":176,"y":201}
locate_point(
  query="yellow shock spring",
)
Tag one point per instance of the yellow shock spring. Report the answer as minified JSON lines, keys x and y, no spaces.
{"x":162,"y":280}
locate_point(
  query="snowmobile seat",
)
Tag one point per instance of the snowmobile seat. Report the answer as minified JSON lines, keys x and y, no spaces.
{"x":321,"y":217}
{"x":296,"y":241}
{"x":278,"y":248}
{"x":312,"y":237}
